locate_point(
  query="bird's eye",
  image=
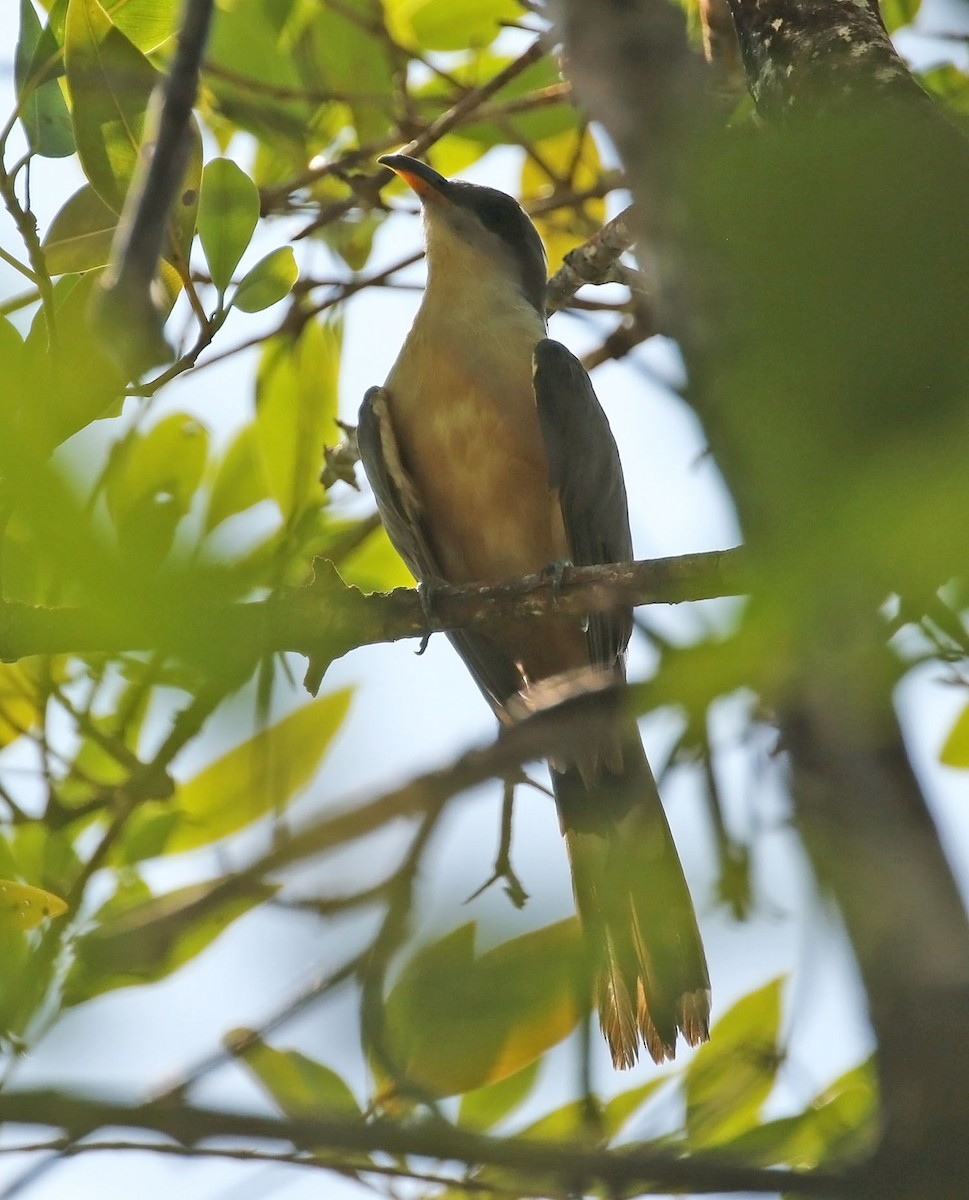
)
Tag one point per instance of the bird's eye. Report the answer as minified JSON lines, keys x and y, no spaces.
{"x":500,"y":216}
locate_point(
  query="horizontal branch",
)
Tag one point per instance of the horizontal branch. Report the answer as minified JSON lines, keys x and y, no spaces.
{"x":571,"y":1163}
{"x":327,"y":618}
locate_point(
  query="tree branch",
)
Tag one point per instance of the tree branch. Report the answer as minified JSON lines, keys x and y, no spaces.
{"x":329,"y":618}
{"x":574,"y":1165}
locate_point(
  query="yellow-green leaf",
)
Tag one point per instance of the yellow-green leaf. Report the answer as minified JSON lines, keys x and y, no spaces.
{"x":732,"y":1075}
{"x":239,"y":481}
{"x":299,"y":1085}
{"x":573,"y":158}
{"x":955,"y":751}
{"x":449,"y":24}
{"x":24,"y":907}
{"x":147,"y":23}
{"x":268,"y":282}
{"x":21,"y":697}
{"x":227,"y":217}
{"x":43,"y":110}
{"x":897,"y":13}
{"x":296,"y":391}
{"x":152,"y":481}
{"x":80,"y":236}
{"x":455,"y":1022}
{"x":110,"y":82}
{"x":258,"y":776}
{"x":484,"y":1107}
{"x":143,"y":938}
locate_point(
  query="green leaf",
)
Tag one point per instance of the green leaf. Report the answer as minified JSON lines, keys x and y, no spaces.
{"x":25,"y":907}
{"x":22,"y":696}
{"x":840,"y":1124}
{"x":239,"y":481}
{"x":268,"y":282}
{"x":484,"y":1107}
{"x":896,"y":13}
{"x":184,"y":210}
{"x":259,"y":775}
{"x":449,"y":24}
{"x":147,"y":23}
{"x":80,"y":236}
{"x":339,"y":51}
{"x":254,"y":77}
{"x":140,"y":939}
{"x":955,"y":751}
{"x":81,"y":382}
{"x":617,"y":1111}
{"x":455,"y":1022}
{"x":731,"y":1076}
{"x":296,"y":398}
{"x":227,"y":217}
{"x":300,"y":1086}
{"x":110,"y":82}
{"x":545,"y":120}
{"x":43,"y":110}
{"x":152,"y":482}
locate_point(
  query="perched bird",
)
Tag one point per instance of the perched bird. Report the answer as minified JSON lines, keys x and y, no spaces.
{"x":490,"y":458}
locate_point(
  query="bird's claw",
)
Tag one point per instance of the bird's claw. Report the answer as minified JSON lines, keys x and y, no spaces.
{"x":426,"y":589}
{"x":555,"y":571}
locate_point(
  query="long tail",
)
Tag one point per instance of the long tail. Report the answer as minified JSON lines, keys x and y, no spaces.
{"x":635,"y":906}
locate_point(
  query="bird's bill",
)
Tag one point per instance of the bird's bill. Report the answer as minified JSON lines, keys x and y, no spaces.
{"x":418,"y":176}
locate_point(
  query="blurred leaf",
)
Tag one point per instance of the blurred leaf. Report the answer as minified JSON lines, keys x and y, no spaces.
{"x":110,"y":81}
{"x":543,"y":121}
{"x":146,"y":832}
{"x":375,"y":566}
{"x":227,"y":217}
{"x":46,"y":857}
{"x":296,"y":404}
{"x":352,"y":236}
{"x":574,"y":161}
{"x":731,"y":1076}
{"x":80,"y":235}
{"x":339,"y":50}
{"x":896,"y":13}
{"x":252,"y":79}
{"x":484,"y":1107}
{"x":448,"y":24}
{"x":25,"y":907}
{"x":184,"y":210}
{"x":268,"y":282}
{"x":617,"y":1111}
{"x":79,"y":384}
{"x":147,"y":23}
{"x":950,"y":85}
{"x":15,"y":385}
{"x":141,"y":939}
{"x":300,"y":1086}
{"x":43,"y":110}
{"x":21,"y":697}
{"x":955,"y":750}
{"x":838,"y":1125}
{"x":562,"y":1124}
{"x":152,"y":481}
{"x":455,"y":1022}
{"x":239,"y":481}
{"x":257,"y":776}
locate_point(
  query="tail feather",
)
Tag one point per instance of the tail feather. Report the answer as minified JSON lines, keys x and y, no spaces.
{"x":632,"y":898}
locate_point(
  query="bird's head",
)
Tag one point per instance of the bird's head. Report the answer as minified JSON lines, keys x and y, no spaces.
{"x":486,"y":229}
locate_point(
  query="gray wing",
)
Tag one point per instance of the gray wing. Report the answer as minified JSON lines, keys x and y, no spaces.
{"x":401,"y":511}
{"x":584,"y":467}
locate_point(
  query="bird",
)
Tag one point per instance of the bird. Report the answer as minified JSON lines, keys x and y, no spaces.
{"x":490,"y":458}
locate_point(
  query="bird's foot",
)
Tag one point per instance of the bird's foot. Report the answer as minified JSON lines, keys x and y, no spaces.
{"x":555,"y":571}
{"x":426,"y":591}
